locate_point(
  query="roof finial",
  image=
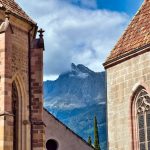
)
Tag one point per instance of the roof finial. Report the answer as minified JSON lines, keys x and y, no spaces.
{"x":7,"y":14}
{"x":41,"y":31}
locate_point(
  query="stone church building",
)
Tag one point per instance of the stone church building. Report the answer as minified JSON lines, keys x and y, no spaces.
{"x":128,"y":86}
{"x":24,"y":124}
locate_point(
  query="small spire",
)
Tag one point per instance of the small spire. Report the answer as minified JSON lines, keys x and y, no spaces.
{"x":7,"y":14}
{"x":41,"y":31}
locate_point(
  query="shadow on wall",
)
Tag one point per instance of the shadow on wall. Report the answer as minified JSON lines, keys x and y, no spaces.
{"x":52,"y":144}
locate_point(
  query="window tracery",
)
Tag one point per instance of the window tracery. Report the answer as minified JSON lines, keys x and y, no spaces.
{"x":143,"y":117}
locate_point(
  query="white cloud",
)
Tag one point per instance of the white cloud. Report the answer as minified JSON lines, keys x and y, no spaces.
{"x":74,"y":34}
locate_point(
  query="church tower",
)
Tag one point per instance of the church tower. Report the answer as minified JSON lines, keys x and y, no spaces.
{"x":128,"y":86}
{"x":21,"y":80}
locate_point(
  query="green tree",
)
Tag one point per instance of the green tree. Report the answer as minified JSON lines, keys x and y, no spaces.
{"x":96,"y":135}
{"x":90,"y":140}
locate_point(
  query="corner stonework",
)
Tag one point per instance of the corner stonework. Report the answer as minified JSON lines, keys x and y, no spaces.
{"x":6,"y":115}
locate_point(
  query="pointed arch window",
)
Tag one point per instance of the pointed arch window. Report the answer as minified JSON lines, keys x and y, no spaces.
{"x":143,"y":119}
{"x":15,"y":107}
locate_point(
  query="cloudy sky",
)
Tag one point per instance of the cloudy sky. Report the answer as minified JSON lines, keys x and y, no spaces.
{"x":79,"y":31}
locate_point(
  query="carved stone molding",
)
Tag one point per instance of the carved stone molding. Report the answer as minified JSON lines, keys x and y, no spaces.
{"x":143,"y":102}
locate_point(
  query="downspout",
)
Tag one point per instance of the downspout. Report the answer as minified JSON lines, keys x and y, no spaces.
{"x":29,"y":78}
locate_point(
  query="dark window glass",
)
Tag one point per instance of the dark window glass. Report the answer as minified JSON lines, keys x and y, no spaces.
{"x":142,"y":146}
{"x":148,"y":134}
{"x":52,"y":145}
{"x":142,"y":135}
{"x":148,"y":145}
{"x":15,"y":107}
{"x":148,"y":119}
{"x":141,"y":121}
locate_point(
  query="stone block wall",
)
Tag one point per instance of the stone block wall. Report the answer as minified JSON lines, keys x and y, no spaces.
{"x":37,"y":124}
{"x":122,"y":80}
{"x":14,"y":67}
{"x":20,"y":74}
{"x":6,"y":117}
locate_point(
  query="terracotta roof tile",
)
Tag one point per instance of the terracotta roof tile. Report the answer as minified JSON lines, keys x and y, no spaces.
{"x":14,"y":8}
{"x":137,"y":34}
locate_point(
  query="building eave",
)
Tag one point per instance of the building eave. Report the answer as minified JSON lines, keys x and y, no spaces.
{"x":126,"y":56}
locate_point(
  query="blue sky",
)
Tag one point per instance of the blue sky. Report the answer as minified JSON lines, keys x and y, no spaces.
{"x":128,"y":6}
{"x":79,"y":31}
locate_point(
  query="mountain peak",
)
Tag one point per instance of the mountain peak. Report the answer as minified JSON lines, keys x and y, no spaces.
{"x":80,"y":68}
{"x":84,"y":69}
{"x":73,"y":67}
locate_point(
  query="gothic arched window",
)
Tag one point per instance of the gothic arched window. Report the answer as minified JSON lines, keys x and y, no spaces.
{"x":143,"y":119}
{"x":15,"y":107}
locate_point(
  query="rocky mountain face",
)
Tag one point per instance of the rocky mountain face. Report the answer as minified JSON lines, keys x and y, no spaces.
{"x":76,"y":97}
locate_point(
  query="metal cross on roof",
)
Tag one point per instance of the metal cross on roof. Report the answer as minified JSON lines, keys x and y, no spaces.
{"x":41,"y":31}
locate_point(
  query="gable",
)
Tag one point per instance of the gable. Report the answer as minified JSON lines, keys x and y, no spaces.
{"x":66,"y":138}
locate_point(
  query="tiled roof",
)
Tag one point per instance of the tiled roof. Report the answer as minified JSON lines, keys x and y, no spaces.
{"x":15,"y":9}
{"x":136,"y":36}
